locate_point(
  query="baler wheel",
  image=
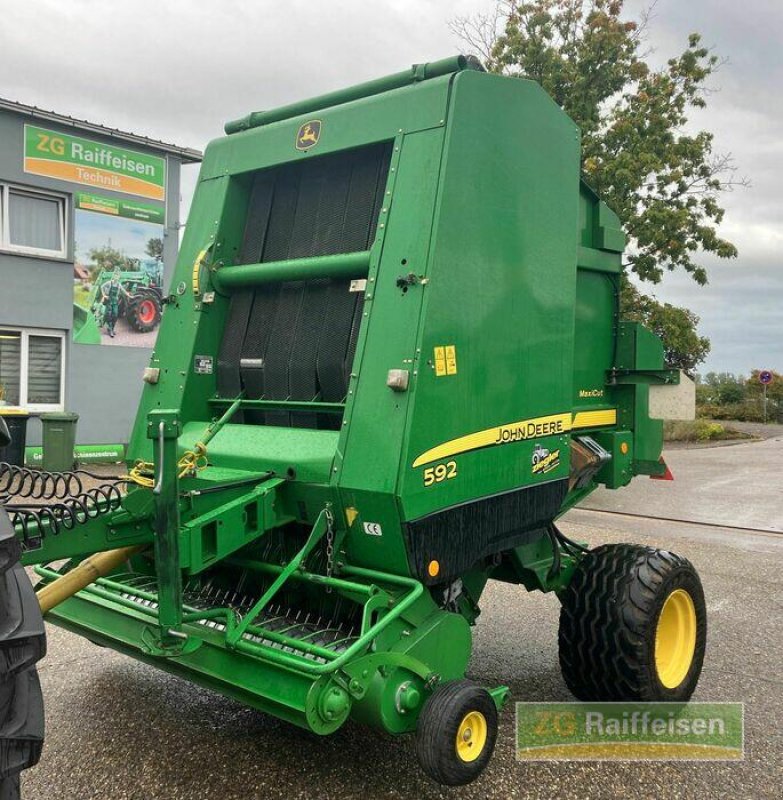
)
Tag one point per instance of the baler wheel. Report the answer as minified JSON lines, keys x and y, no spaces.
{"x":456,"y":733}
{"x":633,"y":626}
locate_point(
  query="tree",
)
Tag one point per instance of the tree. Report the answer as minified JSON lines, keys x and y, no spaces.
{"x":154,"y":249}
{"x":661,"y":179}
{"x":682,"y":346}
{"x":774,"y":387}
{"x":109,"y":258}
{"x":723,"y":388}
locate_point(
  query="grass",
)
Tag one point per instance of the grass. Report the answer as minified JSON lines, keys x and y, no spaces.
{"x":81,"y":296}
{"x":700,"y":430}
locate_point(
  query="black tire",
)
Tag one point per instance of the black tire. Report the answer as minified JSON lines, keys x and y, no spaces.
{"x":443,"y":714}
{"x":22,"y":644}
{"x":144,"y":312}
{"x":609,"y":622}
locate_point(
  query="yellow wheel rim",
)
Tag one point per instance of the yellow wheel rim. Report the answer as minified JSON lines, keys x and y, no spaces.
{"x":675,"y":639}
{"x":471,"y":736}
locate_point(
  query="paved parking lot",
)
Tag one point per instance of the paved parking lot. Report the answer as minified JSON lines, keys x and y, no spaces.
{"x":118,"y":729}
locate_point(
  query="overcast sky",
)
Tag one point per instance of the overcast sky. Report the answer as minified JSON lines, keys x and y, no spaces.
{"x":177,"y":70}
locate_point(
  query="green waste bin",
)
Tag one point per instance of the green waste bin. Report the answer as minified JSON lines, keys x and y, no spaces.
{"x":59,"y":440}
{"x":16,"y":420}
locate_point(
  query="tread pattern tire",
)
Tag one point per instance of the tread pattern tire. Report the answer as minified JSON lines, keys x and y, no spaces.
{"x":436,"y":733}
{"x":608,"y":623}
{"x":133,"y":314}
{"x":22,"y":644}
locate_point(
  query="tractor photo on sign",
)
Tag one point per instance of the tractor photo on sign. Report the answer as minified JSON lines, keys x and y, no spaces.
{"x":118,"y":272}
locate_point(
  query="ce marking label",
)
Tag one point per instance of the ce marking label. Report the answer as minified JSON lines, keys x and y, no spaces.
{"x":372,"y":528}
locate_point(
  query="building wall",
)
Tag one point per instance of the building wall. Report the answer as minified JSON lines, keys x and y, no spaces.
{"x":103,"y":383}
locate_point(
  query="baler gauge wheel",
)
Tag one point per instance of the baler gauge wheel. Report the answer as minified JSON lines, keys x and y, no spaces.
{"x":456,"y":733}
{"x":471,"y":736}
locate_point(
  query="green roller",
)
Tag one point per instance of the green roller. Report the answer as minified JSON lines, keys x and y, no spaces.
{"x":392,"y":361}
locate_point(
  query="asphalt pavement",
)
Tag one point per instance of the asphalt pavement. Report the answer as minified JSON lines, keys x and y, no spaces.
{"x":739,"y":484}
{"x":118,"y":729}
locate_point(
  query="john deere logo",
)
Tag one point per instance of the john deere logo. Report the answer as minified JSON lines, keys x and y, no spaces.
{"x":308,"y":134}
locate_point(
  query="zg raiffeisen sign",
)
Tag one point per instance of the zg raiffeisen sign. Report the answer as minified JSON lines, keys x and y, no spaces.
{"x":72,"y":158}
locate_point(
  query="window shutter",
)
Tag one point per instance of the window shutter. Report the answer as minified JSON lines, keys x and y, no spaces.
{"x":34,"y":221}
{"x":10,"y":367}
{"x":44,"y":369}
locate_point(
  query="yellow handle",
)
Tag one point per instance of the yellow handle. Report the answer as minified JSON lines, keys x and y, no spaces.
{"x":197,"y":264}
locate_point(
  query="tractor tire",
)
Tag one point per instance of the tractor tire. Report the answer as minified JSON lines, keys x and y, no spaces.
{"x":633,"y":626}
{"x":456,"y":733}
{"x":144,"y":312}
{"x":22,"y":644}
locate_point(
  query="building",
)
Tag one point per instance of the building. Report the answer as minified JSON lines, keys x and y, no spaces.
{"x":81,"y":204}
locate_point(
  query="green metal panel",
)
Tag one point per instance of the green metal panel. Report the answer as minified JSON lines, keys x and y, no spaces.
{"x":372,"y":451}
{"x":594,"y":337}
{"x":501,"y":289}
{"x":308,"y":454}
{"x":380,"y":118}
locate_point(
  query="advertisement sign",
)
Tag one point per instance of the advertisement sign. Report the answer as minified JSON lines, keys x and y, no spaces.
{"x":102,"y":166}
{"x":120,"y":208}
{"x":118,"y":270}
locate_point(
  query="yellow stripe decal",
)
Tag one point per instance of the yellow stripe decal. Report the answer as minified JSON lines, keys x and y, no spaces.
{"x":534,"y":428}
{"x":592,"y":419}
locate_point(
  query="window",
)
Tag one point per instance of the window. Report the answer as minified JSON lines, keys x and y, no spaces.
{"x":32,"y":369}
{"x":33,"y":222}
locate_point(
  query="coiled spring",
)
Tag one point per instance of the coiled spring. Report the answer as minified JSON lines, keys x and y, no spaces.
{"x":34,"y":484}
{"x":76,"y":504}
{"x":35,"y":521}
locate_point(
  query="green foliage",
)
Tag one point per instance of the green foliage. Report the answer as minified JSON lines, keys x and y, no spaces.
{"x":721,"y":388}
{"x":742,"y":412}
{"x":109,"y":258}
{"x":699,"y":430}
{"x":683,"y":347}
{"x":774,"y":388}
{"x":154,"y":249}
{"x":660,"y":177}
{"x":723,"y":395}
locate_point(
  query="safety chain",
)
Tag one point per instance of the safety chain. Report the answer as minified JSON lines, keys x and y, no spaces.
{"x":329,"y":545}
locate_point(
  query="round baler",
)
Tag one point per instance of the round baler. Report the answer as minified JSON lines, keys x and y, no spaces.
{"x":392,"y":361}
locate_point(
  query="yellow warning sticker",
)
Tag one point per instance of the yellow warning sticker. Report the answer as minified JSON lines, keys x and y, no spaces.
{"x":451,"y":359}
{"x":445,"y":360}
{"x":440,"y":361}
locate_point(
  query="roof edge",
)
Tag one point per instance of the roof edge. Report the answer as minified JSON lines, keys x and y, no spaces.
{"x":188,"y":155}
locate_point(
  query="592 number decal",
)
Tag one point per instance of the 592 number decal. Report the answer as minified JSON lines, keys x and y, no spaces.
{"x":440,"y":473}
